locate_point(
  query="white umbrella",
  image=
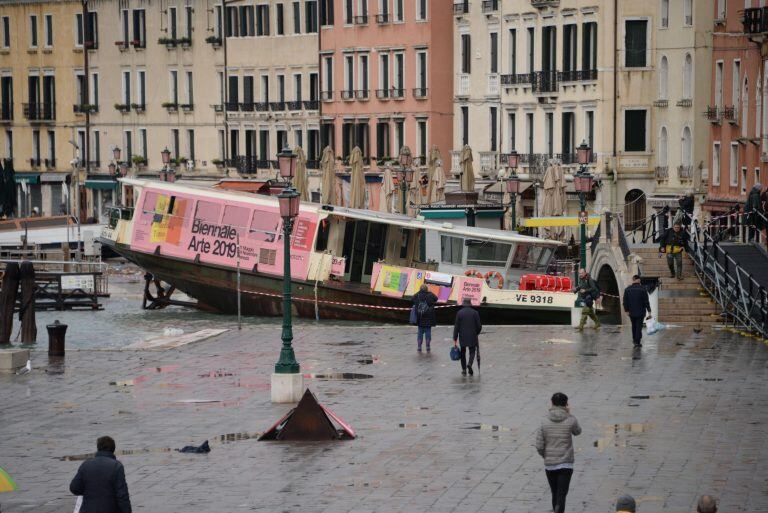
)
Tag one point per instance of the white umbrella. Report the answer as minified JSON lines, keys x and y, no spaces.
{"x":301,"y":181}
{"x":467,"y":172}
{"x":328,"y":185}
{"x":357,"y":179}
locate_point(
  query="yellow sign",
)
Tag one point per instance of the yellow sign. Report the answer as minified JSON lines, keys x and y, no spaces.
{"x":545,"y":222}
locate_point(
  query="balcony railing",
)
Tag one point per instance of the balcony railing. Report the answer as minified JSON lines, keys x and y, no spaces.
{"x":756,"y":20}
{"x":277,"y":106}
{"x":326,"y":96}
{"x":455,"y":161}
{"x":244,"y":165}
{"x":51,"y":163}
{"x":461,"y":7}
{"x":382,"y":94}
{"x":516,"y":79}
{"x":232,"y":106}
{"x":544,"y":82}
{"x":313,"y":164}
{"x":362,"y":94}
{"x":295,"y":105}
{"x":685,"y":102}
{"x":419,"y":93}
{"x":662,"y":104}
{"x":40,"y":111}
{"x":661,"y":172}
{"x":383,"y":18}
{"x":490,"y":6}
{"x":714,"y":114}
{"x":685,"y":172}
{"x":729,"y":114}
{"x":540,"y":4}
{"x":397,"y":93}
{"x":493,"y":84}
{"x":246,"y":107}
{"x":82,"y":108}
{"x":261,"y":106}
{"x":347,"y":94}
{"x":580,"y":75}
{"x":312,"y":105}
{"x":6,"y":112}
{"x":573,"y":158}
{"x":360,"y":20}
{"x":489,"y":162}
{"x":463,"y":86}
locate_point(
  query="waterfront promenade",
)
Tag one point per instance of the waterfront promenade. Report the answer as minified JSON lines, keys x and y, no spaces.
{"x":683,"y":417}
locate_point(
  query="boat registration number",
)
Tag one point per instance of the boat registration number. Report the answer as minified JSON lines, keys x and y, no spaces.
{"x":534,"y":299}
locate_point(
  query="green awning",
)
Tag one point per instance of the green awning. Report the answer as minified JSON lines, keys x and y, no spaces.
{"x":102,"y":185}
{"x":27,"y":177}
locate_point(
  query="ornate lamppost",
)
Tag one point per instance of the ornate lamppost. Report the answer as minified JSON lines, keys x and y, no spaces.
{"x":513,"y":184}
{"x":405,"y":175}
{"x":168,"y":174}
{"x":582,"y":182}
{"x":287,"y":381}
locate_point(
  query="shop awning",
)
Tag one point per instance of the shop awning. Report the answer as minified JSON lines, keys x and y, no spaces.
{"x":101,"y":183}
{"x":542,"y":222}
{"x":27,"y":177}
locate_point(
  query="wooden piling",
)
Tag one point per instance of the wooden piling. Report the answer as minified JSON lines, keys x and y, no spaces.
{"x":8,"y":292}
{"x":27,"y":309}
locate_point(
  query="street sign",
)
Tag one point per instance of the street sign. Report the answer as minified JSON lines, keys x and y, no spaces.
{"x":583,"y":216}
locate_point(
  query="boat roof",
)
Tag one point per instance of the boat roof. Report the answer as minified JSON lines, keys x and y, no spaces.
{"x":352,"y":213}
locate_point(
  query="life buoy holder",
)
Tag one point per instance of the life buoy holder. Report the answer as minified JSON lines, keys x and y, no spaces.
{"x":473,"y":273}
{"x":490,"y":275}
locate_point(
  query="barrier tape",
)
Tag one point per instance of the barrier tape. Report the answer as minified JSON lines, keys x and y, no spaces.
{"x":342,"y":303}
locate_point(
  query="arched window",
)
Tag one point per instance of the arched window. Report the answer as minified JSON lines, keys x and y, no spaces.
{"x":687,"y":76}
{"x":663,"y":77}
{"x":744,"y":118}
{"x":663,"y":147}
{"x":687,"y":157}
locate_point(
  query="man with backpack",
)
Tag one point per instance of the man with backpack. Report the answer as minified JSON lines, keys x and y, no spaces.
{"x":588,"y":292}
{"x":424,"y":305}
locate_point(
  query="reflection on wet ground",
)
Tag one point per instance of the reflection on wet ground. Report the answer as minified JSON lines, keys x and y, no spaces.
{"x":343,"y":376}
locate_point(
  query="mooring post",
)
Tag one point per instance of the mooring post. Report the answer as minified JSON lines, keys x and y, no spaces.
{"x":8,"y":294}
{"x":147,"y":281}
{"x":27,"y":308}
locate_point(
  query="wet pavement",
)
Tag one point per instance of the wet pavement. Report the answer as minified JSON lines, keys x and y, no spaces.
{"x":683,"y":417}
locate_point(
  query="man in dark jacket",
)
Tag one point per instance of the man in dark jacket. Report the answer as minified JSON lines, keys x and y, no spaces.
{"x":101,"y":481}
{"x":686,"y":209}
{"x":673,"y":242}
{"x":588,"y":292}
{"x":636,"y":304}
{"x":424,"y":301}
{"x":465,"y":331}
{"x":754,"y":211}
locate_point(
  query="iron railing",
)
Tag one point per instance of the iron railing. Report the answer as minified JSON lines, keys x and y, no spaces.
{"x":461,"y":7}
{"x":45,"y":111}
{"x":756,"y":20}
{"x":579,"y":75}
{"x":490,"y":6}
{"x":544,"y":82}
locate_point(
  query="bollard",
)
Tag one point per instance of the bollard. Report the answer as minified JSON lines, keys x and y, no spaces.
{"x":57,"y":333}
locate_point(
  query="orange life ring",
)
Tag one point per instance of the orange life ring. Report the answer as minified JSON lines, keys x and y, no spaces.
{"x":494,"y":274}
{"x":473,"y":273}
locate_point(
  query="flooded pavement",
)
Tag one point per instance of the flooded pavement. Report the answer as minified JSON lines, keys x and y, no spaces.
{"x":682,"y":417}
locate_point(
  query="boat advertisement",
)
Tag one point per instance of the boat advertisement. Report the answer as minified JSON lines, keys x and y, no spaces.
{"x":212,"y":230}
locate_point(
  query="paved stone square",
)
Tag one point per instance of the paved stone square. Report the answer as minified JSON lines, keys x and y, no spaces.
{"x":685,"y":416}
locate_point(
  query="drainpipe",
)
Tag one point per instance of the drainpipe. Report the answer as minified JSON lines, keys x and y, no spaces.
{"x":87,"y":97}
{"x":614,"y":198}
{"x":225,"y":85}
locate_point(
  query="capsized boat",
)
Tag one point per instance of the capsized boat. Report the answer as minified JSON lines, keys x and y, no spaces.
{"x":345,"y":263}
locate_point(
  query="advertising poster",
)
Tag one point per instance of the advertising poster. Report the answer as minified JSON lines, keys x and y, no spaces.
{"x":392,"y":280}
{"x":471,"y":288}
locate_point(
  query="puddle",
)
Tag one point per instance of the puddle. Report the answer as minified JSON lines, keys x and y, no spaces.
{"x":620,"y":435}
{"x":346,"y":343}
{"x":639,"y":396}
{"x":559,"y":341}
{"x":587,"y":354}
{"x":340,"y":376}
{"x":488,"y":427}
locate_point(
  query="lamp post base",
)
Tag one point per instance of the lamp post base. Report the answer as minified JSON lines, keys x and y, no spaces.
{"x":287,"y":388}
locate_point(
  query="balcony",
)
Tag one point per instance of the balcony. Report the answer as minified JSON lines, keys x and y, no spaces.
{"x":662,"y":104}
{"x":312,"y":105}
{"x":541,"y":4}
{"x":516,"y":79}
{"x":714,"y":114}
{"x":142,"y":107}
{"x":490,"y":6}
{"x":313,"y":164}
{"x":296,"y":105}
{"x":463,"y":86}
{"x":33,"y":162}
{"x":83,"y":108}
{"x":382,"y":94}
{"x":419,"y":93}
{"x":6,"y":112}
{"x":347,"y":94}
{"x":580,"y":75}
{"x":398,"y":93}
{"x":383,"y":18}
{"x":661,"y":172}
{"x":218,"y":107}
{"x":326,"y":96}
{"x":489,"y":163}
{"x":40,"y":111}
{"x":493,"y":85}
{"x":544,"y":82}
{"x":360,"y":20}
{"x":461,"y":8}
{"x":685,"y":102}
{"x":187,"y":107}
{"x":169,"y":106}
{"x":685,"y":172}
{"x":124,"y":108}
{"x":277,"y":106}
{"x":729,"y":114}
{"x":261,"y":106}
{"x":455,"y":161}
{"x":756,"y":20}
{"x":51,"y":163}
{"x":362,"y":94}
{"x":246,"y":107}
{"x":244,"y":165}
{"x":231,"y":106}
{"x":573,"y":158}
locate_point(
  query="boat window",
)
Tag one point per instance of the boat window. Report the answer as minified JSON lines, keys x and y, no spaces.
{"x":236,"y":217}
{"x":488,"y":254}
{"x":323,"y":230}
{"x":208,"y":212}
{"x":404,"y":247}
{"x":546,"y":256}
{"x":526,"y":256}
{"x":264,"y":226}
{"x":451,"y":249}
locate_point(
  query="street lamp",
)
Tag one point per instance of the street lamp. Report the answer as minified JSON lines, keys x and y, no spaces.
{"x":513,"y":184}
{"x":116,"y":153}
{"x":166,"y":173}
{"x":289,"y":209}
{"x":287,"y":162}
{"x":582,"y":182}
{"x":405,"y":175}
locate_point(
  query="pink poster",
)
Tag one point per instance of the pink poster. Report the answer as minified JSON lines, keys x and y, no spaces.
{"x":337,"y":266}
{"x":194,"y":226}
{"x":471,"y":288}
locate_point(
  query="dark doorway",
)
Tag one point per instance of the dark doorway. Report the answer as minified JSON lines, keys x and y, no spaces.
{"x":609,"y":288}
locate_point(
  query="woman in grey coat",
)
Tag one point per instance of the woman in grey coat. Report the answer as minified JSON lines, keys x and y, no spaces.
{"x":554,"y":443}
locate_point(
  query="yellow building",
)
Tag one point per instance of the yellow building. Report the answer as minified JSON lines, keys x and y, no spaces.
{"x":40,"y":51}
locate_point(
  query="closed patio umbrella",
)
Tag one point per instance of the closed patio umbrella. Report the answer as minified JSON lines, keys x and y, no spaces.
{"x":436,"y":192}
{"x":387,"y":189}
{"x":357,"y":179}
{"x":328,"y":185}
{"x":432,"y":159}
{"x":467,"y":171}
{"x":550,"y":186}
{"x":301,"y":180}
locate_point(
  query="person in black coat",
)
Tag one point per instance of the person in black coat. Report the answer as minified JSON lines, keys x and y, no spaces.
{"x":101,"y":481}
{"x":424,"y":301}
{"x":754,"y":210}
{"x":686,"y":206}
{"x":465,"y":331}
{"x":636,"y":304}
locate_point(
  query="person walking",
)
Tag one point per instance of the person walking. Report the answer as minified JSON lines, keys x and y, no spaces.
{"x":424,"y":301}
{"x":466,"y":329}
{"x":754,"y":213}
{"x":684,"y":214}
{"x":101,"y":481}
{"x":673,"y":242}
{"x":588,"y":292}
{"x":626,"y":504}
{"x":554,"y":443}
{"x":636,"y":303}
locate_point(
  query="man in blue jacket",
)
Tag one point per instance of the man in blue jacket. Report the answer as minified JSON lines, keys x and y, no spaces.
{"x":101,"y":481}
{"x":636,"y":304}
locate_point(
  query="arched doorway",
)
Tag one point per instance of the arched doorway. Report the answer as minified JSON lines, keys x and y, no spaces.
{"x":609,"y":288}
{"x":634,"y":209}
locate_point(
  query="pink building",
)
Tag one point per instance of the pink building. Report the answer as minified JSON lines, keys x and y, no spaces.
{"x":386,"y":76}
